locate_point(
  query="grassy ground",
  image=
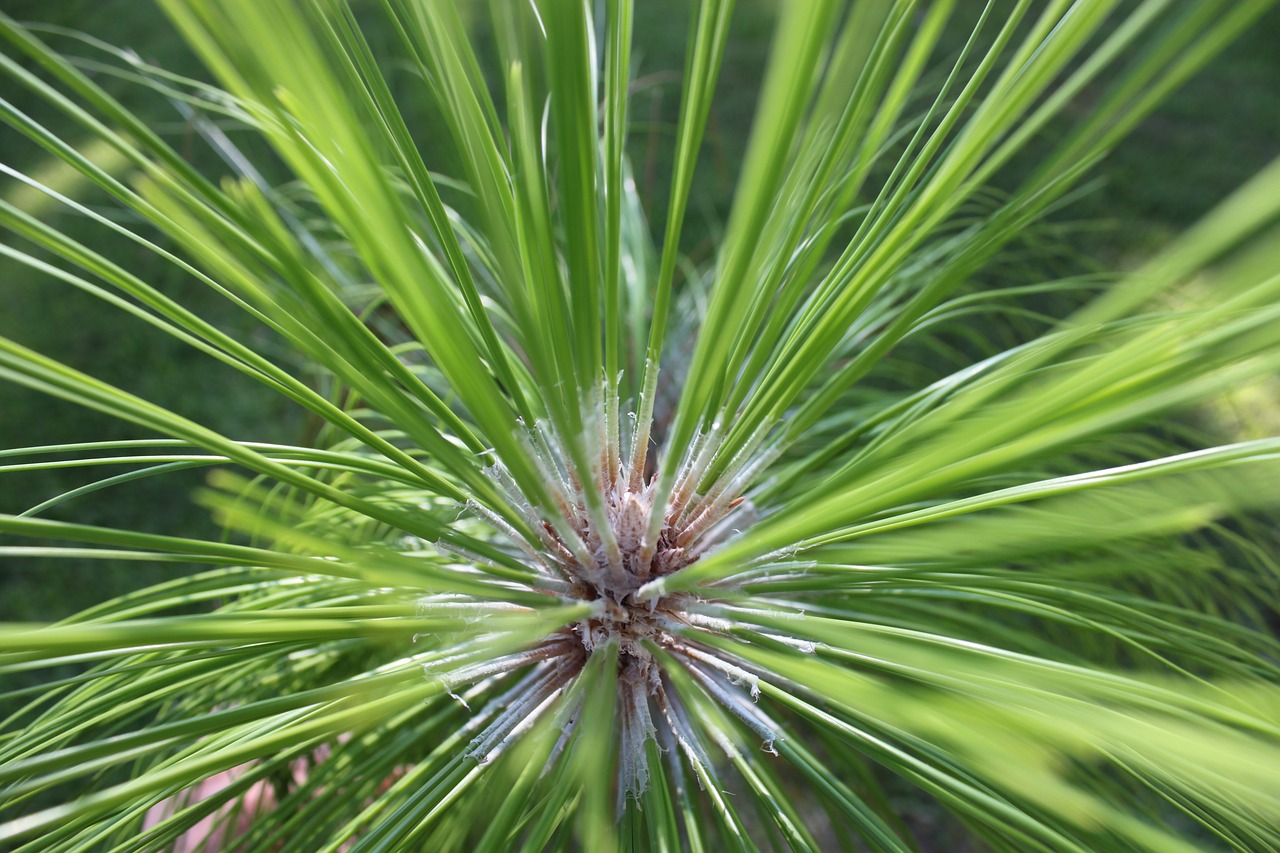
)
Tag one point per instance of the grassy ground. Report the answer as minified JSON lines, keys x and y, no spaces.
{"x":1204,"y":142}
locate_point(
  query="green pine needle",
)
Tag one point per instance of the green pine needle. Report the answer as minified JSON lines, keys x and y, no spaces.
{"x":596,"y":545}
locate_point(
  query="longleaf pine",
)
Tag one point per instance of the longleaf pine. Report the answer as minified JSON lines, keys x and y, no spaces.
{"x":856,"y":531}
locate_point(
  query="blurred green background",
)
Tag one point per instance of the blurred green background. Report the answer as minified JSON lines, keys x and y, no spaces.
{"x":1214,"y":134}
